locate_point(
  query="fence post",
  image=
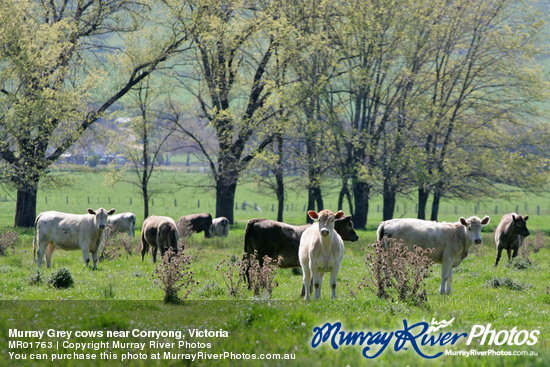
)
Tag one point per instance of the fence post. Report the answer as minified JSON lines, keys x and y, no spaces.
{"x":46,"y":200}
{"x":538,"y":210}
{"x":517,"y":208}
{"x":130,"y":201}
{"x":66,"y":200}
{"x":496,"y":209}
{"x":456,"y":209}
{"x":272,"y":207}
{"x":176,"y":203}
{"x":88,"y":200}
{"x":152,"y":202}
{"x":199,"y":203}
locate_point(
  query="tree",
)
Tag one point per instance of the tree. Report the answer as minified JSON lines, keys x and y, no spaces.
{"x":481,"y":83}
{"x":61,"y":70}
{"x":149,"y":130}
{"x":232,"y":77}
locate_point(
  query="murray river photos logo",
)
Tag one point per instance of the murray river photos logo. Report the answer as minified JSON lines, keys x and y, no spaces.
{"x":419,"y":336}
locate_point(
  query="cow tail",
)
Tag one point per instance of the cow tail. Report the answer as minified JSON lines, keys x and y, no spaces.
{"x":35,"y":239}
{"x":247,"y":234}
{"x":380,"y":232}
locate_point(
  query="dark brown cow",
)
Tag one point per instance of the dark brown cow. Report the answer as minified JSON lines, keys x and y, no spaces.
{"x":510,"y":233}
{"x":195,"y":223}
{"x":158,"y":232}
{"x":281,"y":241}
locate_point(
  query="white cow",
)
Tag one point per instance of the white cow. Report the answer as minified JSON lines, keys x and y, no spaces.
{"x":220,"y":227}
{"x":70,"y":232}
{"x":123,"y":223}
{"x":450,"y":241}
{"x":321,"y":251}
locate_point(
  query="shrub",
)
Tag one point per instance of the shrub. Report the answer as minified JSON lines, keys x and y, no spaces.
{"x":532,"y":245}
{"x":261,"y":277}
{"x":520,"y":263}
{"x":395,"y":272}
{"x":115,"y":243}
{"x":36,"y":278}
{"x":8,"y":237}
{"x":506,"y":283}
{"x":173,"y":274}
{"x":61,"y":279}
{"x":233,"y":275}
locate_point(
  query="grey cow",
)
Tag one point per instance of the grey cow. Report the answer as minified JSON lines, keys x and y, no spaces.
{"x":510,"y":233}
{"x":70,"y":232}
{"x":158,"y":232}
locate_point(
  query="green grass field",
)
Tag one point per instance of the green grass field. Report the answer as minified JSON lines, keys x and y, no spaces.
{"x":121,"y":295}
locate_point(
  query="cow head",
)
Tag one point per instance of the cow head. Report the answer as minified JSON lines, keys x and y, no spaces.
{"x":520,"y":225}
{"x":473,"y":227}
{"x":326,"y":220}
{"x":101,"y":216}
{"x":344,"y":227}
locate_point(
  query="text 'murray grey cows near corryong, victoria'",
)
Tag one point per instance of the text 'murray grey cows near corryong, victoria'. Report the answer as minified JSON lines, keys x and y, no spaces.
{"x":510,"y":233}
{"x":450,"y":241}
{"x":321,"y":251}
{"x":158,"y":232}
{"x":70,"y":232}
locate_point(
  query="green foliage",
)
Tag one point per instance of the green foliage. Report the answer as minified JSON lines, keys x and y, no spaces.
{"x":8,"y":237}
{"x":61,"y":279}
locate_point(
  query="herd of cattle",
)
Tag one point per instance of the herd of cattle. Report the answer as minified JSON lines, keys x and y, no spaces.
{"x":316,"y":248}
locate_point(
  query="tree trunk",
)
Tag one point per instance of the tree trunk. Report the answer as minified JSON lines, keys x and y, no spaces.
{"x":361,"y":196}
{"x":280,"y":190}
{"x":435,"y":205}
{"x":225,"y":198}
{"x":389,"y":193}
{"x":423,"y":195}
{"x":145,"y":202}
{"x":25,"y":208}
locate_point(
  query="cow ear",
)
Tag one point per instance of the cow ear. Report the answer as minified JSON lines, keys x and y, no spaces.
{"x":312,"y":214}
{"x":485,"y":220}
{"x":525,"y":218}
{"x":339,"y":214}
{"x":91,"y":211}
{"x":462,"y":221}
{"x":514,"y":217}
{"x":112,"y":211}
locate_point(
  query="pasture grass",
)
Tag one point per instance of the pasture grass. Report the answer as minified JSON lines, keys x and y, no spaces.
{"x":121,"y":294}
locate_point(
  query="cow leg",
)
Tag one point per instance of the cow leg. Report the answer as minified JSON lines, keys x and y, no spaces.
{"x":144,"y":246}
{"x":94,"y":258}
{"x":509,"y":254}
{"x":515,"y":252}
{"x":40,"y":253}
{"x":154,"y":253}
{"x":306,"y":283}
{"x":317,"y":281}
{"x":499,"y":253}
{"x":449,"y":279}
{"x":85,"y":253}
{"x":49,"y":252}
{"x":446,"y":269}
{"x":333,"y":276}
